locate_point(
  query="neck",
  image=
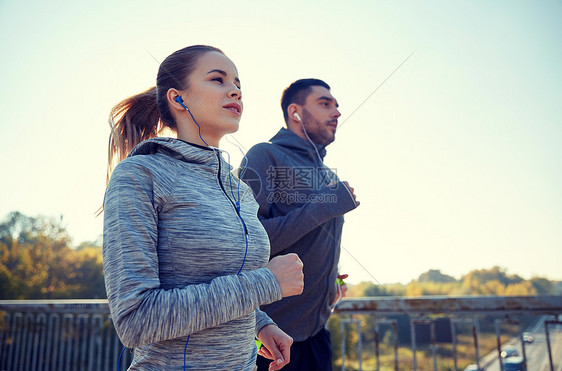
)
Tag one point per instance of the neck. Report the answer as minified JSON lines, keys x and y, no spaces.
{"x":298,"y":130}
{"x":191,"y":134}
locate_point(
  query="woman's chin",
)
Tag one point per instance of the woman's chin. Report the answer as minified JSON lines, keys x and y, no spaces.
{"x":231,"y":126}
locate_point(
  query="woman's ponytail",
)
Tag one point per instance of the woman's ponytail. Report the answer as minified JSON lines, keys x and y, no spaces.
{"x":131,"y":121}
{"x":145,"y":115}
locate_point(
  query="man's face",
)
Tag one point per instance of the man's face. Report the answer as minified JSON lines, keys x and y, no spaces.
{"x":320,"y":116}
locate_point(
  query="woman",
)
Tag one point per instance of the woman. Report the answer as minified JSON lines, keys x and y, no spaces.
{"x":185,"y":257}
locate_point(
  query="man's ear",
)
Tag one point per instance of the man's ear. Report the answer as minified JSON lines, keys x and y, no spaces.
{"x":294,"y":112}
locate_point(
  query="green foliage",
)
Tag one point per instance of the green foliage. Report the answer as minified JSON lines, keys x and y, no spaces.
{"x":37,"y":262}
{"x":493,"y":281}
{"x":481,"y":276}
{"x":542,"y":285}
{"x":435,"y":275}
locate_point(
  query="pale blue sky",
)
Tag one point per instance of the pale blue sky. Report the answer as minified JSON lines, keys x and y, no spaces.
{"x":456,"y":159}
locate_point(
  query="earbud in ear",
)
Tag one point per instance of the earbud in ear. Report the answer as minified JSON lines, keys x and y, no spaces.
{"x":179,"y":99}
{"x":296,"y":115}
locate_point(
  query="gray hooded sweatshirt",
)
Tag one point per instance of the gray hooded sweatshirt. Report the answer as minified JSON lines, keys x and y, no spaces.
{"x":302,"y":203}
{"x":181,"y":259}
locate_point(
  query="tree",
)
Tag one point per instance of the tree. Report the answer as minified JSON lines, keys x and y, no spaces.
{"x":521,"y":288}
{"x":542,"y":285}
{"x":496,"y":273}
{"x":37,"y":262}
{"x":435,"y":275}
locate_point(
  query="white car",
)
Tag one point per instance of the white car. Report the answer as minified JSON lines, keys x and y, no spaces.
{"x":509,"y":352}
{"x":528,"y":337}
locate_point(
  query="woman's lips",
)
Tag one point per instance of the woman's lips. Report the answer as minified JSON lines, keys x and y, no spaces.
{"x":233,"y":107}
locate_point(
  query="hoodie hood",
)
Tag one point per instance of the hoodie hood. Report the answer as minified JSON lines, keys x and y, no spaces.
{"x":176,"y":148}
{"x":286,"y":138}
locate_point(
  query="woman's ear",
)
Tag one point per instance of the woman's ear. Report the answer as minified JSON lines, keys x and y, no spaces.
{"x":175,"y":100}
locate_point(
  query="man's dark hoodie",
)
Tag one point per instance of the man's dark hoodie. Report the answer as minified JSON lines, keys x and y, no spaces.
{"x":302,"y":204}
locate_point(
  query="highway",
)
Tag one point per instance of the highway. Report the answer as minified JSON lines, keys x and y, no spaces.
{"x":536,"y":352}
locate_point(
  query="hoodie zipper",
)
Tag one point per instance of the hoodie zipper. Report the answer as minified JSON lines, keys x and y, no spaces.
{"x":226,"y":194}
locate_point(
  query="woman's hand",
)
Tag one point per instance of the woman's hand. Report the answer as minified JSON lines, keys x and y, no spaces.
{"x":276,"y":345}
{"x":288,"y":271}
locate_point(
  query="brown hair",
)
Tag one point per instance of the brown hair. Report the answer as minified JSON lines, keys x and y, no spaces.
{"x":143,"y":116}
{"x":297,"y":93}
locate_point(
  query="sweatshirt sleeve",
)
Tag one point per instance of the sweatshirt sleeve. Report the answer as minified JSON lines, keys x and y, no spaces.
{"x":262,"y":320}
{"x":299,"y":221}
{"x":142,"y":311}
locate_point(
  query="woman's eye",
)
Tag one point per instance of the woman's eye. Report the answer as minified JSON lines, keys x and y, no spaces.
{"x":219,"y":79}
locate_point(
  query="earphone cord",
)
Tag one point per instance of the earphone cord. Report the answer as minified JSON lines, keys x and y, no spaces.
{"x":311,"y":142}
{"x":119,"y":361}
{"x":237,"y":202}
{"x":338,"y":298}
{"x":240,"y":173}
{"x":330,"y":177}
{"x":199,"y":127}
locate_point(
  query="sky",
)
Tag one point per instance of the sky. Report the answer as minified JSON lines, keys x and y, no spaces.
{"x":451,"y":126}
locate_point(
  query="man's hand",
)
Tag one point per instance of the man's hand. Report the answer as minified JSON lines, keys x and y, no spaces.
{"x":276,"y":345}
{"x":342,"y":288}
{"x":352,"y":191}
{"x":343,"y":285}
{"x":350,"y":188}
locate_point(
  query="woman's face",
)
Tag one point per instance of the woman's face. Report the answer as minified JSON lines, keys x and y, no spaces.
{"x":214,"y":97}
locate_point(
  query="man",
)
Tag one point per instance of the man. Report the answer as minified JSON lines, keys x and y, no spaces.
{"x":301,"y":206}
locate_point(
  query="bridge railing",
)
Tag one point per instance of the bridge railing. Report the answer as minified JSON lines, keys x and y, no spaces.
{"x":79,"y":335}
{"x":59,"y":335}
{"x":439,"y":317}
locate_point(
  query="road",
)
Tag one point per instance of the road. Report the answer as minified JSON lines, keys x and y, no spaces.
{"x":536,"y":352}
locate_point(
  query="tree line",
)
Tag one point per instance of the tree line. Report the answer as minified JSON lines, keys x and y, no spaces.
{"x":492,"y":281}
{"x":38,"y":261}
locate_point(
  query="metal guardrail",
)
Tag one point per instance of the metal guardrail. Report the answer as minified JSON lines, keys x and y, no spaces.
{"x":79,"y":335}
{"x":429,"y":310}
{"x":58,"y":335}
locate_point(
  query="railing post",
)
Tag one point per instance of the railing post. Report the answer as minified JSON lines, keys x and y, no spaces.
{"x":44,"y":334}
{"x":394,"y":325}
{"x":5,"y":321}
{"x":546,"y":323}
{"x":497,"y":325}
{"x":454,"y":337}
{"x":475,"y":335}
{"x":18,"y":342}
{"x":342,"y":330}
{"x":377,"y":358}
{"x":395,"y":329}
{"x":360,"y":344}
{"x":53,"y":338}
{"x":522,"y":345}
{"x":413,"y":339}
{"x":433,"y":344}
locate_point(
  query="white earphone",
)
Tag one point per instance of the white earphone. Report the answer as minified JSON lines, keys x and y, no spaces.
{"x":296,"y":115}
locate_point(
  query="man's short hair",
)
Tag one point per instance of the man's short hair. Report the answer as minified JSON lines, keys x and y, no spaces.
{"x":297,"y":93}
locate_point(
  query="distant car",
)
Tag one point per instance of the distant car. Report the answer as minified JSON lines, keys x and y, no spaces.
{"x":528,"y":338}
{"x":514,"y":364}
{"x":509,"y":352}
{"x":473,"y":367}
